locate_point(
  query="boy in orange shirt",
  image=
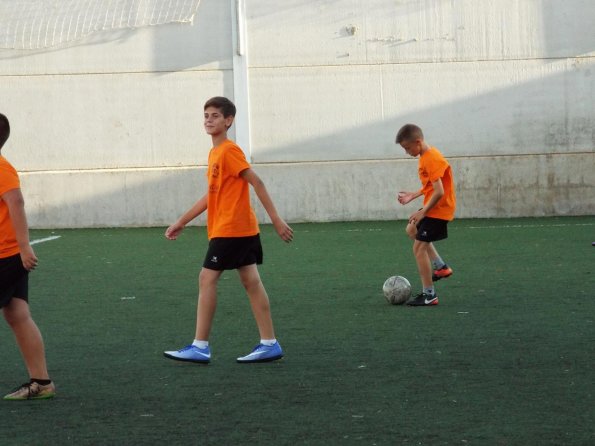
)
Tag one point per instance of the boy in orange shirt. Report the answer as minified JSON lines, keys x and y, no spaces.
{"x":16,"y":260}
{"x":234,"y":241}
{"x":428,"y":224}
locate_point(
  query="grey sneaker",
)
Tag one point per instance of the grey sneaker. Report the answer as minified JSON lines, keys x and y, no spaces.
{"x":32,"y":391}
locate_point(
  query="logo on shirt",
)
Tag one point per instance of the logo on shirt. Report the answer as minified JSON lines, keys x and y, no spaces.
{"x":215,"y":171}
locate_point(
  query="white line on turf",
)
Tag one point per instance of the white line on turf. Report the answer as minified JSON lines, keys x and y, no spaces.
{"x":555,"y":225}
{"x":559,"y":225}
{"x":47,"y":239}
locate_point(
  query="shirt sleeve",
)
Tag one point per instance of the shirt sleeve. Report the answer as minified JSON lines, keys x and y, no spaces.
{"x":436,"y":167}
{"x":235,"y":161}
{"x":9,"y":179}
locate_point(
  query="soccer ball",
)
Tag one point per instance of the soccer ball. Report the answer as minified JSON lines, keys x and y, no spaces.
{"x":397,"y":290}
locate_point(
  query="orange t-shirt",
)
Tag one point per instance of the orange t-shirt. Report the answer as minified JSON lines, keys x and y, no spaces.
{"x":433,"y":166}
{"x":9,"y":180}
{"x":229,"y":213}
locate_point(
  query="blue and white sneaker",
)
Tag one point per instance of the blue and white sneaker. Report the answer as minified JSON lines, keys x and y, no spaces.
{"x":190,"y":353}
{"x":263,"y":353}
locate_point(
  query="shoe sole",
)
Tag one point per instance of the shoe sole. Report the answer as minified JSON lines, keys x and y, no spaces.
{"x":44,"y":397}
{"x":437,"y":278}
{"x":411,"y":304}
{"x":196,"y":361}
{"x":253,"y":361}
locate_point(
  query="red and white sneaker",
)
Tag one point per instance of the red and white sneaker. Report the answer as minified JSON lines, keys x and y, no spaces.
{"x":441,"y":273}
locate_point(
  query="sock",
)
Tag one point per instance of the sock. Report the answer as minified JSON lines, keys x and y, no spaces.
{"x":200,"y":344}
{"x":268,"y":342}
{"x":41,"y":382}
{"x":438,"y":263}
{"x":429,"y":290}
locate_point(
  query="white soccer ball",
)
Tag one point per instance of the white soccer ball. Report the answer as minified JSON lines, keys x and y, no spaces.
{"x":397,"y":290}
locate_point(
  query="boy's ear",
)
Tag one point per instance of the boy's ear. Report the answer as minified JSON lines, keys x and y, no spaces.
{"x":229,"y":121}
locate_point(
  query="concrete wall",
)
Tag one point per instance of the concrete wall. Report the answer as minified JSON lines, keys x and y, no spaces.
{"x":108,"y":132}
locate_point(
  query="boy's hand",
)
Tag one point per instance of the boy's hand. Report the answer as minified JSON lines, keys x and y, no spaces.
{"x":283,"y":229}
{"x":416,"y":217}
{"x":28,"y":258}
{"x":173,"y":231}
{"x":406,"y":197}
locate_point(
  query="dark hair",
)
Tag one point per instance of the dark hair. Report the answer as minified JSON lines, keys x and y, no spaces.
{"x":409,"y":132}
{"x":225,"y":105}
{"x":4,"y":129}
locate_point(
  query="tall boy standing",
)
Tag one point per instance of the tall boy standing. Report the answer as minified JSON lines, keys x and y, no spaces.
{"x":234,"y":241}
{"x":16,"y":260}
{"x":428,"y":224}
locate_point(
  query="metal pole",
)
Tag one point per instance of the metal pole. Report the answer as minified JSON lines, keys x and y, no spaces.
{"x":241,"y":89}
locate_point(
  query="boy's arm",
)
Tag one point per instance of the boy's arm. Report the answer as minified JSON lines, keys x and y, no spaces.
{"x":199,"y":207}
{"x":282,"y":228}
{"x":16,"y":207}
{"x":435,"y":198}
{"x":405,"y":197}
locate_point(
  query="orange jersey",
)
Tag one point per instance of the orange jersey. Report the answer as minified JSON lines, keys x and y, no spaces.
{"x":9,"y":180}
{"x":433,"y":166}
{"x":229,"y":213}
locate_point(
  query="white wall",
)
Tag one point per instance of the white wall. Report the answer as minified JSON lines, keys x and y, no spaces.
{"x":121,"y":100}
{"x":108,"y":132}
{"x":335,"y":80}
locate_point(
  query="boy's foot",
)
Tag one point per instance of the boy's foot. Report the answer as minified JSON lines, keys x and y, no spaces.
{"x":441,"y":273}
{"x":263,"y":353}
{"x":32,"y":391}
{"x":423,"y":300}
{"x":190,"y":353}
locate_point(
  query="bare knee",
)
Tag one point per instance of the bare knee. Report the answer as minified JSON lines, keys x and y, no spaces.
{"x":250,"y":282}
{"x":208,"y":278}
{"x":420,"y":248}
{"x":250,"y":278}
{"x":411,"y":231}
{"x":16,"y":312}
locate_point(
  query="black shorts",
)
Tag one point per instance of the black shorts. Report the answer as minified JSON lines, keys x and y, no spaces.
{"x":233,"y":252}
{"x":431,"y":229}
{"x":14,"y":280}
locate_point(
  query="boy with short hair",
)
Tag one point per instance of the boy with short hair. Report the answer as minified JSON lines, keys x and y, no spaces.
{"x":16,"y":260}
{"x":234,"y":241}
{"x":428,"y":224}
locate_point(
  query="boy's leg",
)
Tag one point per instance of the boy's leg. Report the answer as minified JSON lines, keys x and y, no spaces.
{"x":421,"y":251}
{"x":411,"y":230}
{"x":268,"y":349}
{"x":259,"y":300}
{"x":28,"y":337}
{"x":432,"y":252}
{"x":440,"y":269}
{"x":207,"y":302}
{"x":200,"y":352}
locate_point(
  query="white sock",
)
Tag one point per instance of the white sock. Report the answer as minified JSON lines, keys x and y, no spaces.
{"x":200,"y":344}
{"x":268,"y":342}
{"x":438,"y":263}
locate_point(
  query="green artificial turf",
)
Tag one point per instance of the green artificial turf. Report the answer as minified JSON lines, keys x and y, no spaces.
{"x":507,"y":357}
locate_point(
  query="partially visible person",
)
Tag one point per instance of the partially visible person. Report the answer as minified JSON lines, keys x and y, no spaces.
{"x":17,"y":259}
